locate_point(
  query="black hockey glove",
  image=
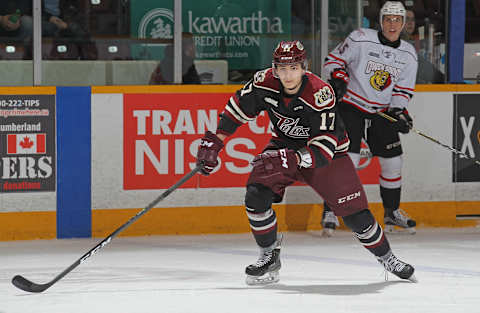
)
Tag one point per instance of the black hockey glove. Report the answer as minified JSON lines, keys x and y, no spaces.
{"x":404,"y":121}
{"x":208,"y":152}
{"x":339,"y":82}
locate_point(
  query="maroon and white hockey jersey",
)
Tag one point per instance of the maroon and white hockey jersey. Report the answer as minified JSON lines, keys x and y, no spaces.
{"x":305,"y":120}
{"x":380,"y":76}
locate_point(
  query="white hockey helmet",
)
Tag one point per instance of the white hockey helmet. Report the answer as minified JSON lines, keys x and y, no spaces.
{"x":393,"y":8}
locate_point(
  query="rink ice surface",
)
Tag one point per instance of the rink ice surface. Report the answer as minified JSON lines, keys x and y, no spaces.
{"x":205,"y":273}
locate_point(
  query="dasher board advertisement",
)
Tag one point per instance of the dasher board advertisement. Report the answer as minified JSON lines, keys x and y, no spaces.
{"x":162,"y":133}
{"x":27,"y":143}
{"x":466,"y":136}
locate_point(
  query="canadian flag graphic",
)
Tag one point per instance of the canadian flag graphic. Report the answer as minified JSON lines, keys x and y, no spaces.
{"x":26,"y":143}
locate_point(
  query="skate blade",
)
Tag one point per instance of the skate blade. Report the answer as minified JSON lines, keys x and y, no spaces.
{"x":413,"y":279}
{"x":327,"y":232}
{"x":392,"y":229}
{"x":269,"y":278}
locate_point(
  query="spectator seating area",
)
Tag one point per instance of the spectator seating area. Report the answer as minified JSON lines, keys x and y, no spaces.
{"x":114,"y":72}
{"x":105,"y":25}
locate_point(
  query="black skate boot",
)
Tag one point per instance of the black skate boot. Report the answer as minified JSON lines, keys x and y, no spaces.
{"x":329,"y":223}
{"x":399,"y":218}
{"x":265,"y":270}
{"x":399,"y":268}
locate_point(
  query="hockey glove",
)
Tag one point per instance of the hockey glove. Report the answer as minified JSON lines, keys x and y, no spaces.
{"x":404,"y":121}
{"x":271,"y":162}
{"x":339,"y":82}
{"x":207,"y":153}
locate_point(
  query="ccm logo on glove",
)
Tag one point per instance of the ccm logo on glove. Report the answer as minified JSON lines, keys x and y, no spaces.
{"x":205,"y":143}
{"x":283,"y":157}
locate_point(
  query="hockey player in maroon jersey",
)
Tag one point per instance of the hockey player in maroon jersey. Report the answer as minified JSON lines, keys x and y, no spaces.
{"x":376,"y":71}
{"x":308,"y":144}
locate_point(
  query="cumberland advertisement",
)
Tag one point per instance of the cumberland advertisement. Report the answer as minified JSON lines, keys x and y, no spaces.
{"x":27,"y":143}
{"x":162,"y":133}
{"x":243,"y":33}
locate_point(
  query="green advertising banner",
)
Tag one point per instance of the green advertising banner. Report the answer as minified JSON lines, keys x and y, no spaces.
{"x":342,"y":20}
{"x":244,"y":34}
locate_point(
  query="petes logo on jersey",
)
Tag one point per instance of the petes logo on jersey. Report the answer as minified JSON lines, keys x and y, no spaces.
{"x":323,"y":97}
{"x":289,"y":126}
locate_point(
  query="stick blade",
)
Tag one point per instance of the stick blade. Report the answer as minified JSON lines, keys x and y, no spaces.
{"x":27,"y":285}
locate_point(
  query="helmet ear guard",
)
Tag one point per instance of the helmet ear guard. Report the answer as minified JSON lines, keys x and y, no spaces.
{"x":393,"y":8}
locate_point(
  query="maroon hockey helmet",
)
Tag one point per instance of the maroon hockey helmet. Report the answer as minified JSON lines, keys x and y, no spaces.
{"x":290,"y":52}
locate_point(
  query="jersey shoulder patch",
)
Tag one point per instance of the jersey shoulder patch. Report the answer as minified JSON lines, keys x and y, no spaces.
{"x":265,"y":80}
{"x":317,"y":94}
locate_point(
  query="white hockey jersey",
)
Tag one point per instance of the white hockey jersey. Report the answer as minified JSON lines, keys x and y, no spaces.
{"x":380,"y":76}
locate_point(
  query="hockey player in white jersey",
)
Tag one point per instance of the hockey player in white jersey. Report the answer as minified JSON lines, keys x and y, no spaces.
{"x":375,"y":71}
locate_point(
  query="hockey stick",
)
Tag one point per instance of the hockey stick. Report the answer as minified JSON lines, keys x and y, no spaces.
{"x":27,"y":285}
{"x":392,"y":119}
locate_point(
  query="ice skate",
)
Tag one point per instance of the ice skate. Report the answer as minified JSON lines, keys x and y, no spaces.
{"x":329,"y":223}
{"x":265,"y":270}
{"x":398,"y":222}
{"x":399,"y":268}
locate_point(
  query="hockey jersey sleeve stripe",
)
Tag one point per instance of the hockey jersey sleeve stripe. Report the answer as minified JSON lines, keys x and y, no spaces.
{"x":233,"y":104}
{"x":337,"y":58}
{"x":401,"y":95}
{"x":228,"y":124}
{"x":333,"y":140}
{"x":233,"y":114}
{"x":335,"y":62}
{"x":410,"y":95}
{"x":343,"y":147}
{"x":366,"y":100}
{"x":404,"y":88}
{"x":361,"y":108}
{"x":232,"y":117}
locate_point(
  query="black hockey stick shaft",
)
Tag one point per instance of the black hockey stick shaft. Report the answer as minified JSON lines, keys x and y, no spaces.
{"x":27,"y":285}
{"x":392,"y":119}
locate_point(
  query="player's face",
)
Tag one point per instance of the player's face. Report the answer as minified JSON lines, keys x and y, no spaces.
{"x":392,"y":26}
{"x":291,"y":76}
